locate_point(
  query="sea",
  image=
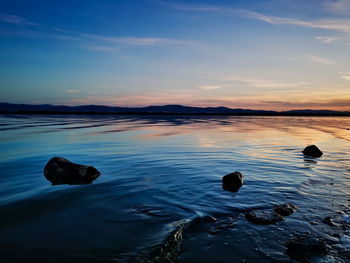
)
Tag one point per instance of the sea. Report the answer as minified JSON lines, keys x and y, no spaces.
{"x":159,"y":197}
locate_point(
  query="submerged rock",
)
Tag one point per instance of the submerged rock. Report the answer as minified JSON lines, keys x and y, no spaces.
{"x":284,"y":209}
{"x":329,"y":221}
{"x":305,"y":248}
{"x":232,"y":182}
{"x":201,"y":223}
{"x":264,"y":217}
{"x":166,"y":252}
{"x":312,"y":151}
{"x":61,"y":171}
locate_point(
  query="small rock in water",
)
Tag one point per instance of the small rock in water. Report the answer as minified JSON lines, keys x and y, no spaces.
{"x":264,"y":217}
{"x":336,"y":235}
{"x":284,"y":209}
{"x":329,"y":221}
{"x":305,"y":248}
{"x":312,"y":151}
{"x":232,"y":182}
{"x":61,"y":171}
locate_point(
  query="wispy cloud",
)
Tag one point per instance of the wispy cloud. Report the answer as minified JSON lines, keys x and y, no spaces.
{"x":212,"y":87}
{"x":337,"y":24}
{"x":327,"y":39}
{"x":319,"y":60}
{"x":17,"y":20}
{"x":339,"y":6}
{"x":133,"y":100}
{"x":344,"y":75}
{"x":135,"y":41}
{"x":91,"y":42}
{"x":266,"y":84}
{"x":342,"y":25}
{"x":313,"y":59}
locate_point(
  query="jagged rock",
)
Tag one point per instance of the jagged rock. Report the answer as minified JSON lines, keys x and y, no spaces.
{"x":263,"y":217}
{"x":165,"y":252}
{"x":305,"y":248}
{"x":312,"y":151}
{"x":284,"y":209}
{"x":232,"y":182}
{"x":61,"y":171}
{"x":329,"y":221}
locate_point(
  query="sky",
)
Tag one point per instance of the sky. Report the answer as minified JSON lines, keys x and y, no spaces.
{"x":256,"y":54}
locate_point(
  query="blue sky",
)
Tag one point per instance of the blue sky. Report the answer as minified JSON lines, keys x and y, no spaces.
{"x":261,"y":54}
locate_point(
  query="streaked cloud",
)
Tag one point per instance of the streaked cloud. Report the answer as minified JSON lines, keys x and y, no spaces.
{"x":267,"y":84}
{"x":212,"y":87}
{"x":337,"y":24}
{"x":319,"y":60}
{"x":313,"y":59}
{"x":91,"y":42}
{"x":339,"y":6}
{"x":135,"y":41}
{"x":72,"y":91}
{"x":17,"y":20}
{"x":327,"y":39}
{"x":344,"y":75}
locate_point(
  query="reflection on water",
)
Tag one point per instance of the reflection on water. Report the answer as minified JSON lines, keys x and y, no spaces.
{"x":158,"y":171}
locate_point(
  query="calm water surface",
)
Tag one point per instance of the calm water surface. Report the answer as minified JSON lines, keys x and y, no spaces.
{"x":158,"y":172}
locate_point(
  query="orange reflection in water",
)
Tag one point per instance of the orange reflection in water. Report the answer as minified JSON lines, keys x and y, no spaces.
{"x":304,"y":129}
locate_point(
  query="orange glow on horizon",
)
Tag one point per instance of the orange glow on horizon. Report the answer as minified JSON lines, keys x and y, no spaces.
{"x":256,"y":103}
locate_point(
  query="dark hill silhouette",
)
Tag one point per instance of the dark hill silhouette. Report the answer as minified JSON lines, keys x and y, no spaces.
{"x":165,"y":109}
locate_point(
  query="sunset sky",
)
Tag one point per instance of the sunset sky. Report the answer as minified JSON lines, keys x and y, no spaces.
{"x":258,"y":54}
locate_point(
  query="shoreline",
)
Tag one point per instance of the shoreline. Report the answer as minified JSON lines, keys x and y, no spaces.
{"x":278,"y":114}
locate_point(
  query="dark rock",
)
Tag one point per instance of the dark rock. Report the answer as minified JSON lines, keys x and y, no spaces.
{"x":61,"y":171}
{"x":201,"y":223}
{"x":263,"y":217}
{"x":305,"y":248}
{"x":232,"y":182}
{"x":222,"y":224}
{"x":284,"y":209}
{"x":329,"y":221}
{"x":337,"y":235}
{"x":165,"y":252}
{"x":312,"y":151}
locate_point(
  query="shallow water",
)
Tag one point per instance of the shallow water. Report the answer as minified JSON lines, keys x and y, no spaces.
{"x":160,"y":172}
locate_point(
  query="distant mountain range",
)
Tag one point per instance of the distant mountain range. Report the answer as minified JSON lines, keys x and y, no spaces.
{"x":155,"y":110}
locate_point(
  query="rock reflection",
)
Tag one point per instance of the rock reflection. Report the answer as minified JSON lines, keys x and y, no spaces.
{"x":309,"y":162}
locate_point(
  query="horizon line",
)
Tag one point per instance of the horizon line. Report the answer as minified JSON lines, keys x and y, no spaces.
{"x":179,"y":105}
